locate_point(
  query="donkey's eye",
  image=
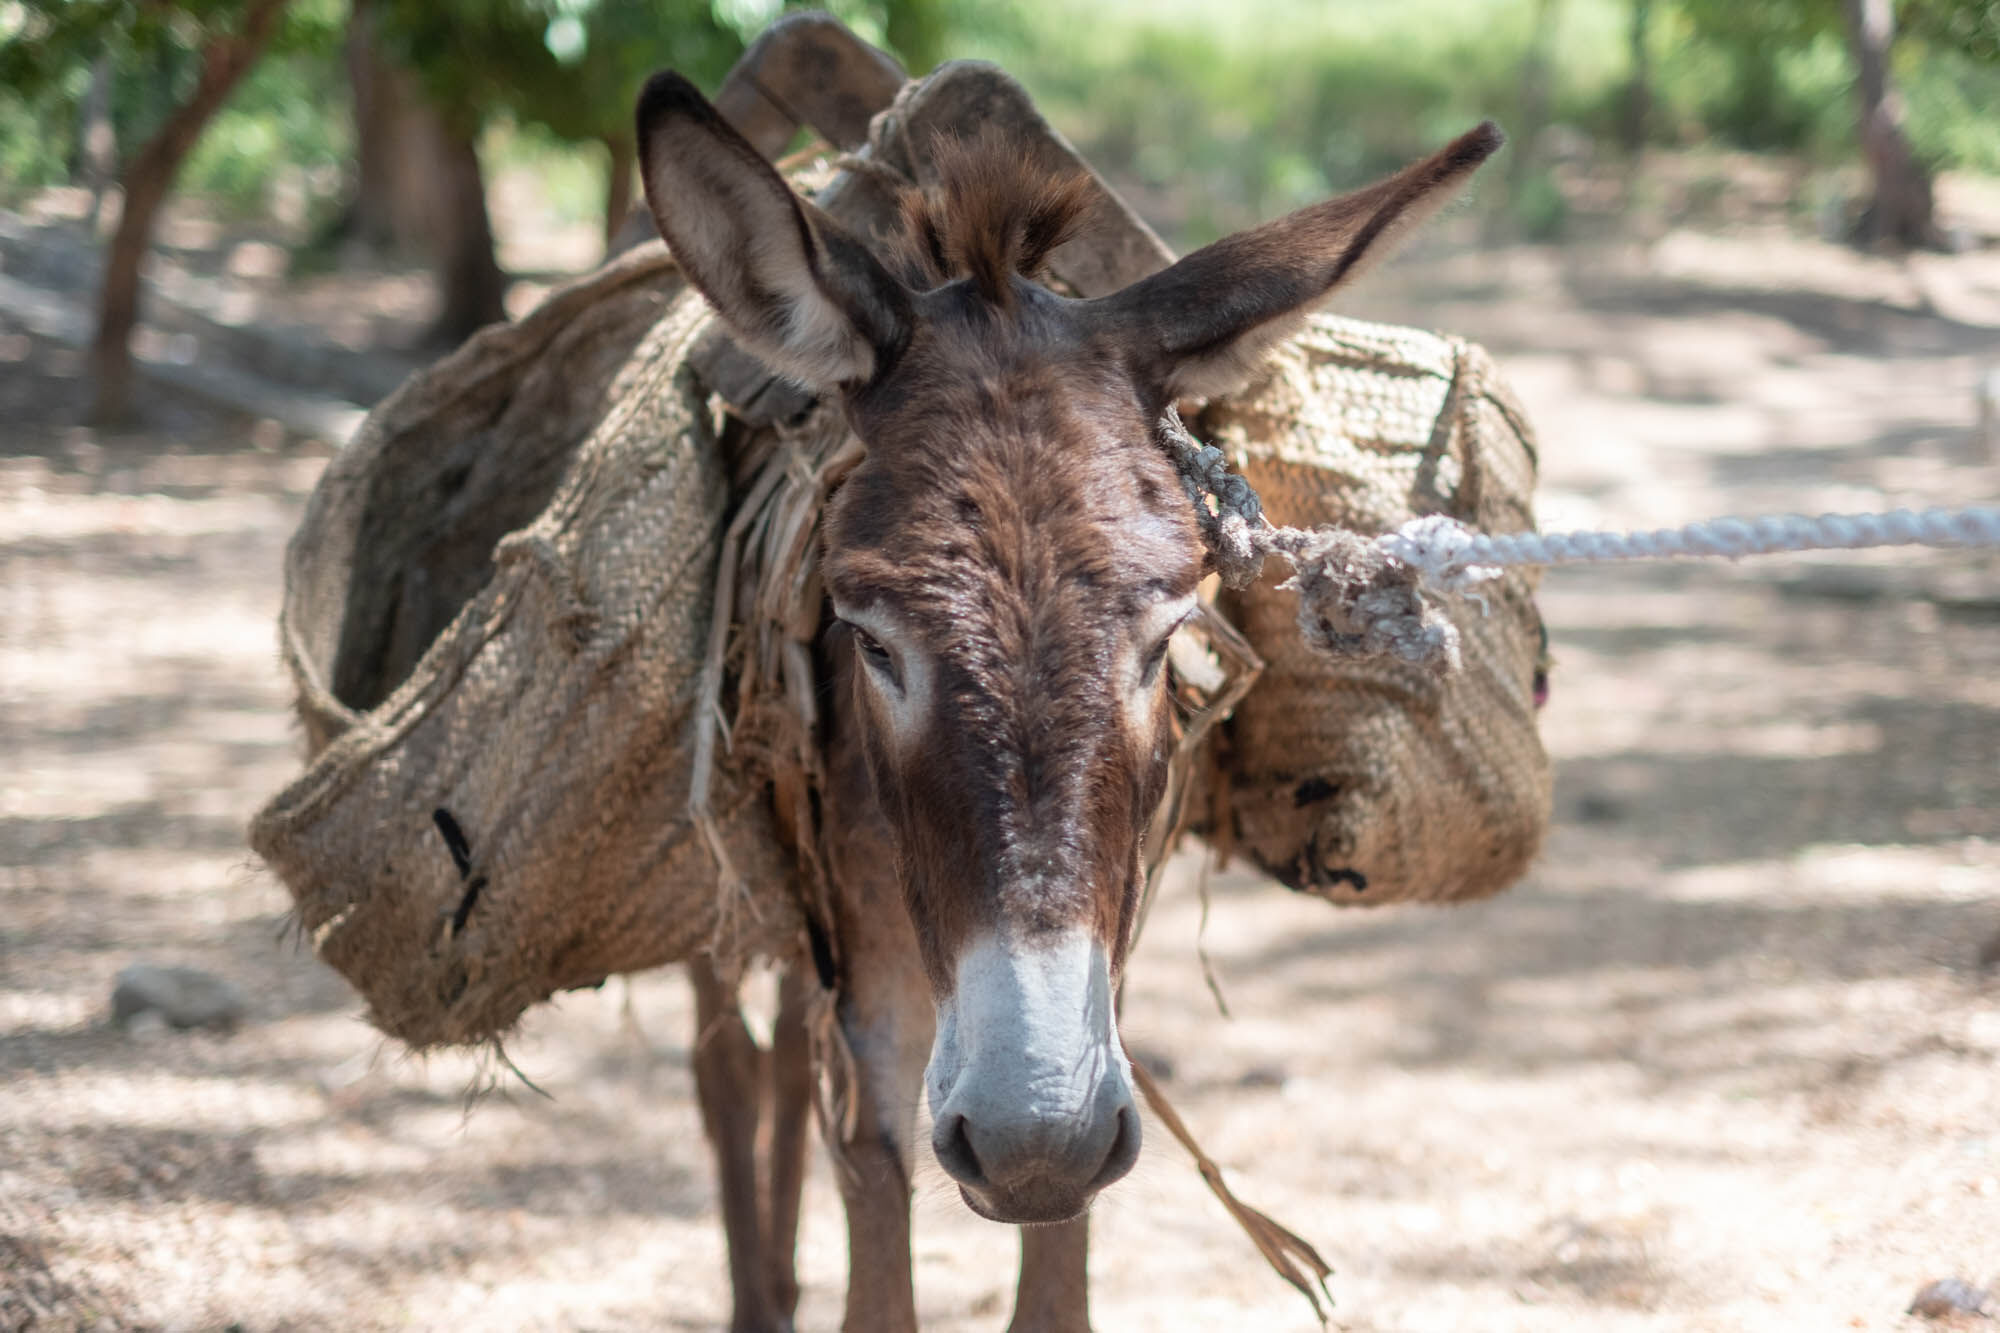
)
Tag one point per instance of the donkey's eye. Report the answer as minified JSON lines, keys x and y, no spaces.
{"x":1182,"y":611}
{"x":874,"y":654}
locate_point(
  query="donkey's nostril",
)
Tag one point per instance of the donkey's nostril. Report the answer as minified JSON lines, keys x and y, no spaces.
{"x":952,"y":1142}
{"x":1124,"y":1150}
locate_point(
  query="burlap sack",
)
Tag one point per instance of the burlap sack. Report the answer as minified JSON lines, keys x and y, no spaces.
{"x":495,"y":616}
{"x":1377,"y":781}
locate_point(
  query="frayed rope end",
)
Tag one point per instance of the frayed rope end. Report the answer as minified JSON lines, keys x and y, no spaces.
{"x":1355,"y":600}
{"x":1358,"y":596}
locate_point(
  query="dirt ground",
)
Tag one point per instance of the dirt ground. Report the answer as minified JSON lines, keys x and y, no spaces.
{"x":1726,"y":1061}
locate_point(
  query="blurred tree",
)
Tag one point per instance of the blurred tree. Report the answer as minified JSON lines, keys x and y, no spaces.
{"x":1753,"y":36}
{"x":570,"y":66}
{"x":95,"y":161}
{"x":419,"y":187}
{"x":1970,"y":27}
{"x":1901,"y":208}
{"x":384,"y":211}
{"x":1635,"y":107}
{"x":1533,"y":100}
{"x":602,"y":51}
{"x":225,"y":38}
{"x":428,"y":73}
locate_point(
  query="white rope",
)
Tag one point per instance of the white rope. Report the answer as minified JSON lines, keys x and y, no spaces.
{"x":1383,"y":596}
{"x":1449,"y":556}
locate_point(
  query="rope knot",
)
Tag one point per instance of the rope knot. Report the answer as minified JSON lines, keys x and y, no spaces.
{"x":1355,"y":598}
{"x":1357,"y":601}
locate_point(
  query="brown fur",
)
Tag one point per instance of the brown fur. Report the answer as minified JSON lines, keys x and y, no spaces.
{"x":1015,"y":518}
{"x":993,"y":214}
{"x":1017,"y":509}
{"x":1018,"y":512}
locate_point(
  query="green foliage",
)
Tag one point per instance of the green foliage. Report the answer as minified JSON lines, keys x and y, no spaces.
{"x":1766,"y":25}
{"x":47,"y":49}
{"x":1948,"y":69}
{"x":1242,"y":119}
{"x":1223,"y":116}
{"x":289,"y":116}
{"x":570,"y":182}
{"x":1966,"y":29}
{"x":919,"y":32}
{"x":572,"y":66}
{"x":1761,"y":94}
{"x":1537,"y":208}
{"x":1762,"y":74}
{"x":30,"y":157}
{"x":1951,"y":100}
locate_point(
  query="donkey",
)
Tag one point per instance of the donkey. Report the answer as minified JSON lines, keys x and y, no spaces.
{"x":1004,"y":571}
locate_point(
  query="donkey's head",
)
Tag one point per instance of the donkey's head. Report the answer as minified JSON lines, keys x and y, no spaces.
{"x":1005,"y":569}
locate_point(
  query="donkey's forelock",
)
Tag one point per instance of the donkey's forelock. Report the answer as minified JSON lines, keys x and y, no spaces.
{"x":993,"y":213}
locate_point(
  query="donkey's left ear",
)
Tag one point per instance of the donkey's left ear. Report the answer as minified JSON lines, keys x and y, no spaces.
{"x":1200,"y":327}
{"x":797,"y":290}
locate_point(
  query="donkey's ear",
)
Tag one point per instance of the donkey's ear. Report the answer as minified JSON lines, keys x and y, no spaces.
{"x":803,"y":295}
{"x":1200,"y":327}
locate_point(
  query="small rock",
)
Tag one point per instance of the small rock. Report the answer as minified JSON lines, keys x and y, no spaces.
{"x":1598,"y":808}
{"x":183,"y":997}
{"x":1954,"y":1296}
{"x":1989,"y":955}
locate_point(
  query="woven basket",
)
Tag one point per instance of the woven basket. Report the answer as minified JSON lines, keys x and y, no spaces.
{"x":1378,"y":781}
{"x":495,"y":617}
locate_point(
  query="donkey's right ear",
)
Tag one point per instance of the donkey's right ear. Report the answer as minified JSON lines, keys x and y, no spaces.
{"x":797,"y":290}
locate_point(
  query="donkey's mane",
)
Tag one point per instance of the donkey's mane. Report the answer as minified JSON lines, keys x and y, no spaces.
{"x":993,"y":213}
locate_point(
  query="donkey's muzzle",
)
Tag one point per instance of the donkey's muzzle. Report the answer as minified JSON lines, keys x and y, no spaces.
{"x":1038,"y":1172}
{"x":1031,"y":1097}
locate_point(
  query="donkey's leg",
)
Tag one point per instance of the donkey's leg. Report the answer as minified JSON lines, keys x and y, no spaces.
{"x":728,"y":1080}
{"x":791,"y":1127}
{"x":886,"y":1018}
{"x":1054,"y":1295}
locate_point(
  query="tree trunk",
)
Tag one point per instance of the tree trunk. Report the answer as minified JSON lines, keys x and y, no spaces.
{"x":1754,"y":94}
{"x":148,"y":179}
{"x":396,"y":137}
{"x":418,"y":186}
{"x":1902,"y":209}
{"x":618,"y":189}
{"x":469,"y":277}
{"x":1534,"y":204}
{"x":1536,"y":75}
{"x":1637,"y":109}
{"x":96,"y":139}
{"x":380,"y":108}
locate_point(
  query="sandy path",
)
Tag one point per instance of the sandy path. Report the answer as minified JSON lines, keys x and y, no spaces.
{"x":1726,"y":1061}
